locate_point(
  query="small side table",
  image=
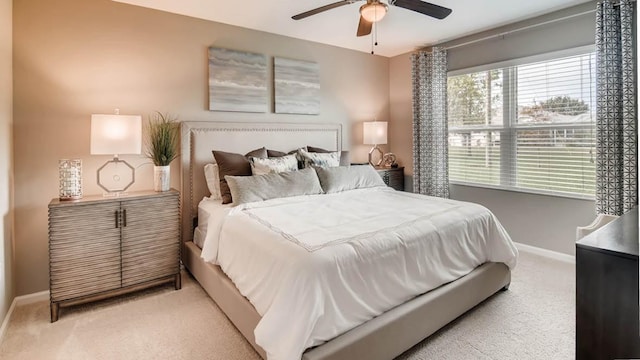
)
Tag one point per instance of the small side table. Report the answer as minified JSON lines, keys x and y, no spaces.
{"x":393,"y":177}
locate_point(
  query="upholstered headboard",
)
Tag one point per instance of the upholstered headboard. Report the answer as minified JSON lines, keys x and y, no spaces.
{"x":200,"y":138}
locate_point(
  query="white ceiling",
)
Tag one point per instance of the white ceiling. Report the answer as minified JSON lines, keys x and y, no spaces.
{"x":399,"y":32}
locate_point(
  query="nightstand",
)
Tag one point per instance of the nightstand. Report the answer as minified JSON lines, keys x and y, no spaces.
{"x":393,"y":177}
{"x":101,"y":247}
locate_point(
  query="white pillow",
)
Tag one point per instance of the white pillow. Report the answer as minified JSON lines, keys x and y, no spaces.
{"x":331,"y":159}
{"x":261,"y":166}
{"x":212,"y":175}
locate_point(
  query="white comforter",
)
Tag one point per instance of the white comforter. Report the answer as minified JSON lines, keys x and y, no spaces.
{"x":317,"y":266}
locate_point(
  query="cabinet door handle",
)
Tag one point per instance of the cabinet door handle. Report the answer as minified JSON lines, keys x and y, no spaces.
{"x":117,"y":218}
{"x":124,"y":218}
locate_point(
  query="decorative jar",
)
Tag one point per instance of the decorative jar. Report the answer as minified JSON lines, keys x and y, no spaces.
{"x":70,"y":174}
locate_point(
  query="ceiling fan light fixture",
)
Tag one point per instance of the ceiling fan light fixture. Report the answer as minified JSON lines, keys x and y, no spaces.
{"x":373,"y":11}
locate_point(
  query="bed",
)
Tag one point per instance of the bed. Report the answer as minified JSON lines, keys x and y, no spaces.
{"x":381,"y":337}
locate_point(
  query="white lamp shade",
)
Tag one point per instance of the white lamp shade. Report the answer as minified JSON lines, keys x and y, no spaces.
{"x":373,"y":12}
{"x":375,"y":132}
{"x":116,"y":134}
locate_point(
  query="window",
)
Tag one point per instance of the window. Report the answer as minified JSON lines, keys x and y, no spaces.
{"x":529,"y":127}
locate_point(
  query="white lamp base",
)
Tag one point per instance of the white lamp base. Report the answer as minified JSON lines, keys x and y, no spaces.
{"x":373,"y":149}
{"x":116,"y":176}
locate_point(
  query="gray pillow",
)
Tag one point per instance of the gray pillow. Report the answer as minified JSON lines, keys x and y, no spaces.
{"x":234,"y":164}
{"x":245,"y":189}
{"x":345,"y":158}
{"x":276,"y":153}
{"x":342,"y":178}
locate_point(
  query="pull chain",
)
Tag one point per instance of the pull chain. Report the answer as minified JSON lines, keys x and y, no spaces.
{"x":375,"y":29}
{"x":374,"y":37}
{"x":374,"y":24}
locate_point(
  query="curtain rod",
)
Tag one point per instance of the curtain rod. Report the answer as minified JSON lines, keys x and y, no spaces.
{"x":508,"y":32}
{"x":428,"y":49}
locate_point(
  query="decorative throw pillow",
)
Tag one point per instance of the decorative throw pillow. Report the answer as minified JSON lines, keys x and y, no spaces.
{"x":317,"y":149}
{"x":276,"y":153}
{"x":345,"y":156}
{"x":319,"y":159}
{"x":235,"y":165}
{"x":245,"y":189}
{"x":280,"y":164}
{"x":342,"y":178}
{"x":212,"y":175}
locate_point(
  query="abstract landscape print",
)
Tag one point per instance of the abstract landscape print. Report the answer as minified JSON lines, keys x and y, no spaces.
{"x":297,"y":86}
{"x":237,"y":81}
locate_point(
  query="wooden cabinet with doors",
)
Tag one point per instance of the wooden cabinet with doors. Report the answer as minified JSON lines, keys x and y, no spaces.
{"x":105,"y":246}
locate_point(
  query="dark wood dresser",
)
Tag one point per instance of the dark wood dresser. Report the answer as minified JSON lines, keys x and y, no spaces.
{"x":607,"y":319}
{"x":393,"y":177}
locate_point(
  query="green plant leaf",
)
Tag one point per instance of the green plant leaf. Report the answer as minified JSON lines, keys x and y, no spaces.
{"x":162,"y":138}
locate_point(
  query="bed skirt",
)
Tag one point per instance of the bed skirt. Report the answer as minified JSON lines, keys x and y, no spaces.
{"x":383,"y":337}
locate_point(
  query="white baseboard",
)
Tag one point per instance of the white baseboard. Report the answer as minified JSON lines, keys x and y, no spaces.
{"x":31,"y":298}
{"x":21,"y":300}
{"x":5,"y":322}
{"x":546,"y":253}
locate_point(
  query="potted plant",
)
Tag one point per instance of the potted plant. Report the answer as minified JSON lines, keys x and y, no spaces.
{"x":162,"y":147}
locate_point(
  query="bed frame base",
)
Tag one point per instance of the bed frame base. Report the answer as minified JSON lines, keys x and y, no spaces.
{"x":383,"y":337}
{"x":222,"y":290}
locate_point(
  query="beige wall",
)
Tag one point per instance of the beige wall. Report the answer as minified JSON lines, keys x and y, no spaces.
{"x":401,"y":109}
{"x":6,"y":170}
{"x":542,"y":221}
{"x":75,"y":57}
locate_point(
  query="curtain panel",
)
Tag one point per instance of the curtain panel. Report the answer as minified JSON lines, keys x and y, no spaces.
{"x":430,"y":130}
{"x":616,"y":114}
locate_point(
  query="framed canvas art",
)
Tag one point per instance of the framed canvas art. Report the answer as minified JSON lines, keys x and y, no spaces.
{"x":237,"y":81}
{"x":297,"y":86}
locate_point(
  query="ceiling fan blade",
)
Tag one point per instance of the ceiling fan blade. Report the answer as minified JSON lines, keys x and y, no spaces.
{"x":321,"y":9}
{"x":364,"y":27}
{"x":422,"y":7}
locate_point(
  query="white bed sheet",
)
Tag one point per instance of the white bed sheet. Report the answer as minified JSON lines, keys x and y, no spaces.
{"x":210,"y":211}
{"x":309,"y":290}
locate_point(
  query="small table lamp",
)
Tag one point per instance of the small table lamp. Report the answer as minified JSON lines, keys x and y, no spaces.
{"x":116,"y":135}
{"x":375,"y":133}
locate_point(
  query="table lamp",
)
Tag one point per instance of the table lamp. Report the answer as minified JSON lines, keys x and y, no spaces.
{"x":116,"y":135}
{"x":375,"y":133}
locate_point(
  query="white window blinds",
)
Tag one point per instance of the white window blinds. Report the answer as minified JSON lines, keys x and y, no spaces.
{"x":529,"y":127}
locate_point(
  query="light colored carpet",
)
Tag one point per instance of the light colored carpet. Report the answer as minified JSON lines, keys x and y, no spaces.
{"x":535,"y":319}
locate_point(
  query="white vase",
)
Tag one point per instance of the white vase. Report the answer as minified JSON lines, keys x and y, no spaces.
{"x":161,"y":178}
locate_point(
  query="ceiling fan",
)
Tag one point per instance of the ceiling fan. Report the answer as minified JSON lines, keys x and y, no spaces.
{"x":374,"y":10}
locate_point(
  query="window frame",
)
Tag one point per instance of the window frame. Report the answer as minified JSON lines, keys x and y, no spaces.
{"x":509,"y":128}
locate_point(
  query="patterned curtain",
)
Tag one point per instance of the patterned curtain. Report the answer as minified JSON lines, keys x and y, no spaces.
{"x":616,"y":121}
{"x":430,"y":131}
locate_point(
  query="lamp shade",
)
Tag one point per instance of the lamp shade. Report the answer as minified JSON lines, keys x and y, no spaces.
{"x":375,"y":132}
{"x":374,"y":11}
{"x":116,"y":134}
